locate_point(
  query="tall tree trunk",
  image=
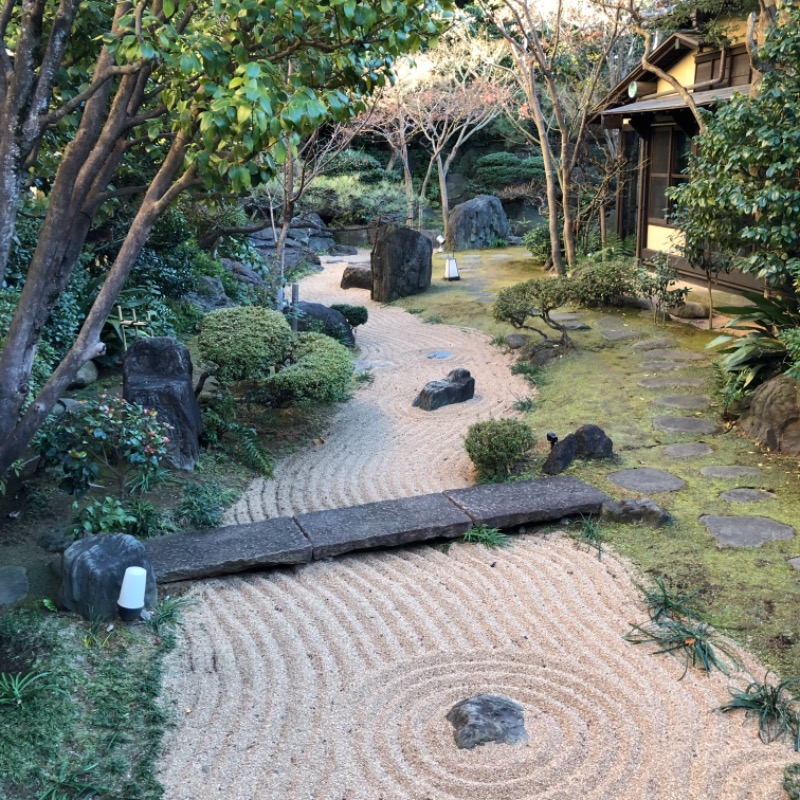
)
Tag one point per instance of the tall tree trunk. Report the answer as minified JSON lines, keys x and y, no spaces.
{"x":444,"y":197}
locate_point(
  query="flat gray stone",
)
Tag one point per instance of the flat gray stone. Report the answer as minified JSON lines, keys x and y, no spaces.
{"x":697,"y":425}
{"x":270,"y":543}
{"x":439,"y":355}
{"x":653,"y":344}
{"x":687,"y":402}
{"x":577,"y":325}
{"x":691,"y":450}
{"x":747,"y":495}
{"x":676,"y":355}
{"x":729,"y":472}
{"x":14,"y":585}
{"x":565,"y":316}
{"x":795,"y":562}
{"x":664,"y":366}
{"x":617,"y":334}
{"x":641,"y":511}
{"x":647,"y":479}
{"x":385,"y":524}
{"x":506,"y":505}
{"x":671,"y":382}
{"x":746,"y":531}
{"x":487,"y":718}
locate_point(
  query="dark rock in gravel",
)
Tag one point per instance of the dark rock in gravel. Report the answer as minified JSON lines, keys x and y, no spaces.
{"x":402,"y":263}
{"x":642,"y":511}
{"x":487,"y":718}
{"x":457,"y":387}
{"x":357,"y":276}
{"x":746,"y":531}
{"x":562,"y":454}
{"x":647,"y":479}
{"x":93,"y":569}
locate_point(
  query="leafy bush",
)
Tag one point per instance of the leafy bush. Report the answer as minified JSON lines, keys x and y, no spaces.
{"x":108,"y":515}
{"x":537,"y":240}
{"x":346,"y":200}
{"x":105,"y":436}
{"x":606,"y":283}
{"x":495,"y":171}
{"x":203,"y":504}
{"x":245,"y":342}
{"x":319,"y":372}
{"x":355,"y":315}
{"x":658,"y":285}
{"x":171,"y":274}
{"x":356,"y":162}
{"x":533,"y":299}
{"x":498,"y":446}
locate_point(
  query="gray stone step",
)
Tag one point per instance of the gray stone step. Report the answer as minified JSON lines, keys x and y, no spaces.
{"x":654,"y":344}
{"x":687,"y":402}
{"x":689,"y":450}
{"x":507,"y":505}
{"x":647,"y":479}
{"x":745,"y":495}
{"x":221,"y":551}
{"x":385,"y":524}
{"x":746,"y":531}
{"x":729,"y":472}
{"x":686,"y":425}
{"x":672,"y":382}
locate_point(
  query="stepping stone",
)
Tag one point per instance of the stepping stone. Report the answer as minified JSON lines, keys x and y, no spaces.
{"x":676,"y":355}
{"x":663,"y":366}
{"x":746,"y":531}
{"x":565,"y":316}
{"x":653,"y":344}
{"x":671,"y":382}
{"x":384,"y":524}
{"x":576,"y":325}
{"x":688,"y":402}
{"x":647,"y":479}
{"x":747,"y":495}
{"x":729,"y":472}
{"x":692,"y":450}
{"x":14,"y":585}
{"x":795,"y":562}
{"x":696,"y":425}
{"x":185,"y":556}
{"x":507,"y":505}
{"x":617,"y":334}
{"x":440,"y":355}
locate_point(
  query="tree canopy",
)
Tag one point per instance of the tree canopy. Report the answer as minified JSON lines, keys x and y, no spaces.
{"x":171,"y":94}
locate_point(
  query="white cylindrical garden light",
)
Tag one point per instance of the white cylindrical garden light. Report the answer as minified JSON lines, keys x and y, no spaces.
{"x":451,"y":268}
{"x":131,"y":596}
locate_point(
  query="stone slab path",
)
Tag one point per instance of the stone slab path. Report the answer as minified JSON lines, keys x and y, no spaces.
{"x":745,"y":531}
{"x":647,"y":479}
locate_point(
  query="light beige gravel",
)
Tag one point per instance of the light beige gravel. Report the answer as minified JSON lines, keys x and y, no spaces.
{"x":331,"y":681}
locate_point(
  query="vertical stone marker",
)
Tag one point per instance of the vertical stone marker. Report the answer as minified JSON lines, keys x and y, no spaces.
{"x":402,"y":263}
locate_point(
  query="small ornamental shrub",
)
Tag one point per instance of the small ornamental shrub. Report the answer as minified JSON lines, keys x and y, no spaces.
{"x":203,"y":504}
{"x":495,"y":171}
{"x":522,"y":303}
{"x":106,"y":437}
{"x":108,"y":515}
{"x":244,"y":341}
{"x":498,"y":446}
{"x":320,"y":372}
{"x":537,"y":241}
{"x":355,"y":315}
{"x":606,"y":283}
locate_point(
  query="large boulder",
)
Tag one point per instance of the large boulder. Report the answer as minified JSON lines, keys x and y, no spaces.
{"x":476,"y":224}
{"x":457,"y":387}
{"x":402,"y":263}
{"x":771,"y":415}
{"x":210,"y":295}
{"x":357,"y":276}
{"x":321,"y":319}
{"x":593,"y":442}
{"x":92,"y":573}
{"x":157,"y":373}
{"x":85,"y":376}
{"x":242,"y":272}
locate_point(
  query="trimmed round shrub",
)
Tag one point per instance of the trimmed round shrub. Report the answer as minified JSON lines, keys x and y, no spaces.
{"x":320,"y":372}
{"x":355,"y":315}
{"x":244,"y":341}
{"x":607,"y":283}
{"x":498,"y":446}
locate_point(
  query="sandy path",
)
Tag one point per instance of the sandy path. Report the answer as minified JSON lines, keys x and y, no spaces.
{"x":331,"y":681}
{"x":378,"y":446}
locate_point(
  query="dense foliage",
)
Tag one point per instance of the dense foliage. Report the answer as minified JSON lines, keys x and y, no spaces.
{"x":498,"y":446}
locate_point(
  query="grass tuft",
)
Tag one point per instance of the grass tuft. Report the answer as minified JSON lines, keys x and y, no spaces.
{"x":524,"y":404}
{"x":17,"y":688}
{"x":489,"y":537}
{"x":777,"y":707}
{"x":532,"y":373}
{"x":791,"y":781}
{"x":168,"y":614}
{"x":662,"y":603}
{"x":591,"y":535}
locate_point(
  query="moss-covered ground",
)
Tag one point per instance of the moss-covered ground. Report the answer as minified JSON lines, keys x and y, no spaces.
{"x":751,"y":593}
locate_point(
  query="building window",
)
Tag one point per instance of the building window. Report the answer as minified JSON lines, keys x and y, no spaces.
{"x":669,"y":160}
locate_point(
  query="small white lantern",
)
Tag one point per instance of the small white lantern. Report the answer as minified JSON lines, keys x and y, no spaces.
{"x":131,"y":595}
{"x":451,"y":268}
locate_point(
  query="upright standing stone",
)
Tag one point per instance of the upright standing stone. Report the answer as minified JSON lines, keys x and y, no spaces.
{"x":402,"y":263}
{"x":476,"y":224}
{"x":157,"y":373}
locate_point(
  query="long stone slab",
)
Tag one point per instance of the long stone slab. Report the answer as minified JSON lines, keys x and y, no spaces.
{"x":221,"y":551}
{"x":506,"y":505}
{"x":385,"y":524}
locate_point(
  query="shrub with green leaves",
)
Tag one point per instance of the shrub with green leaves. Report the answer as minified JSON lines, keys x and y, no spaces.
{"x":105,"y":438}
{"x":496,"y":171}
{"x":245,"y":342}
{"x":523,"y":302}
{"x":203,"y":504}
{"x":348,"y":200}
{"x":498,"y":446}
{"x":108,"y":515}
{"x":537,"y":240}
{"x":355,"y":315}
{"x":319,"y":372}
{"x":605,"y":283}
